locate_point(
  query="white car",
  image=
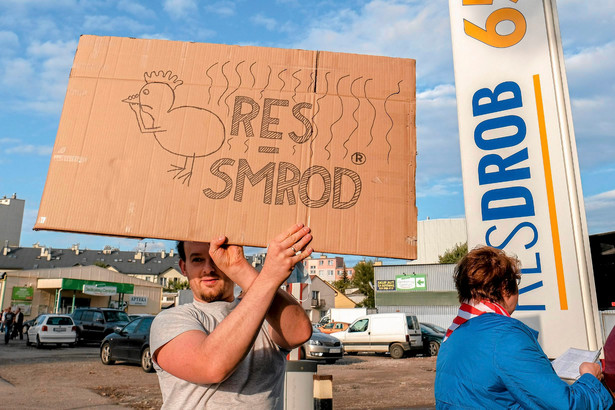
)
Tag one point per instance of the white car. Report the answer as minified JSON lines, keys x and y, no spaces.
{"x":52,"y":329}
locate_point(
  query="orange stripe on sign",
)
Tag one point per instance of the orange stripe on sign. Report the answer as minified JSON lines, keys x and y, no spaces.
{"x":557,"y":249}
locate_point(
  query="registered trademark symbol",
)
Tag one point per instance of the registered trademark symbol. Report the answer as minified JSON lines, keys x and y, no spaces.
{"x":358,"y":158}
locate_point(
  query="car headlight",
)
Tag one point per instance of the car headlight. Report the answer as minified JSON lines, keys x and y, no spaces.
{"x":315,"y":342}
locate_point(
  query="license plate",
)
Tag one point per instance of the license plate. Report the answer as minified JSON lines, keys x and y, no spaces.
{"x":59,"y":329}
{"x":335,"y":350}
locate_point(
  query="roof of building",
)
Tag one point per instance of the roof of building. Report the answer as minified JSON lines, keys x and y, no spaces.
{"x":122,"y":261}
{"x":127,"y":262}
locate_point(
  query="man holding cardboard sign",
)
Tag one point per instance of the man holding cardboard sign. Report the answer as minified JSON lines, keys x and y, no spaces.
{"x":217,"y":352}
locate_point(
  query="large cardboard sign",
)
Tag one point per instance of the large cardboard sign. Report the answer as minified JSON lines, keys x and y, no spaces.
{"x":520,"y":173}
{"x":175,"y":140}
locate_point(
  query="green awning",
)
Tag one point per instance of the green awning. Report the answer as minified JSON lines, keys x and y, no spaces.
{"x":77,"y":284}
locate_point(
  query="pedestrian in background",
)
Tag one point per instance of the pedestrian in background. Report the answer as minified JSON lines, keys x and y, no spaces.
{"x":9,"y":318}
{"x":2,"y":321}
{"x":18,"y":328}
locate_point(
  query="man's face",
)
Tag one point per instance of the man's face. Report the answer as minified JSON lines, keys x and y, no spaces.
{"x":208,"y":283}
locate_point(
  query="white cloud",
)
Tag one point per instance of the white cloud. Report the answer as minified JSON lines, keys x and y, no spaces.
{"x":267,"y":22}
{"x":99,"y":23}
{"x":222,"y":8}
{"x":17,"y":73}
{"x":30,"y":149}
{"x":440,"y":188}
{"x":8,"y":41}
{"x":600,"y":201}
{"x":599,"y":210}
{"x":390,"y":28}
{"x":136,"y":9}
{"x":178,"y":9}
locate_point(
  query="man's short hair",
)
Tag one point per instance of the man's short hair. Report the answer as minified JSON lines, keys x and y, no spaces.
{"x":181,"y":250}
{"x":486,"y":273}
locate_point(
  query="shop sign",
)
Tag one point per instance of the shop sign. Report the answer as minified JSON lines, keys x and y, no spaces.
{"x":23,"y":293}
{"x":138,"y":301}
{"x":385,"y":285}
{"x":95,"y":290}
{"x":406,"y":283}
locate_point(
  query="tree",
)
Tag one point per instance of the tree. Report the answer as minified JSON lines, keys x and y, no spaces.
{"x":101,"y":264}
{"x":343,"y":283}
{"x":363,"y":279}
{"x":177,"y":285}
{"x":455,"y":254}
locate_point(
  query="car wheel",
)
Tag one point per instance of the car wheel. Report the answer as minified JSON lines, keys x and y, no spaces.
{"x":105,"y":354}
{"x":434,"y":347}
{"x":301,"y":353}
{"x":397,"y":351}
{"x":146,"y":361}
{"x":38,"y":342}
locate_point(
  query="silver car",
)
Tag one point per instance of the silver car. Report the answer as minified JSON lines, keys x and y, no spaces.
{"x":322,"y":346}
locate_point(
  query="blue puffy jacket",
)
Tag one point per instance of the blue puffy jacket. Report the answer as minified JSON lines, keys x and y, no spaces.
{"x":494,"y":361}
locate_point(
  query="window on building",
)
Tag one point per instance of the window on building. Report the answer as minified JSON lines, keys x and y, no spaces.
{"x":330,"y":272}
{"x":330,"y":262}
{"x":315,"y":294}
{"x":321,"y":262}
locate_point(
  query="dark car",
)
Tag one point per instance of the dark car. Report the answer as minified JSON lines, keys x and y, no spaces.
{"x":130,"y":344}
{"x":322,"y":346}
{"x":432,"y":338}
{"x":93,"y":324}
{"x":28,"y":324}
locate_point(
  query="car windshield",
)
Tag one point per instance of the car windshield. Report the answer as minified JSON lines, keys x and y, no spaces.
{"x":113,"y":316}
{"x":434,"y":327}
{"x":59,"y":321}
{"x":316,"y":330}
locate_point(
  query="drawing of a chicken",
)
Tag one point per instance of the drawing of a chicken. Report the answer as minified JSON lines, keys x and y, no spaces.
{"x":188,"y":132}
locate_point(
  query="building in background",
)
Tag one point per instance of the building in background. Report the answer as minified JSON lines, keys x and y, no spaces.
{"x":436,"y":236}
{"x":327,"y":269}
{"x":427,"y":291}
{"x":11,"y":218}
{"x":61,"y":290}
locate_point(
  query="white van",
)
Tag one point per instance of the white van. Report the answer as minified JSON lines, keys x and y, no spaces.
{"x":396,"y":333}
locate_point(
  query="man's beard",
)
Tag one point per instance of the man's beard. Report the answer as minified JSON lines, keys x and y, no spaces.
{"x":212,"y":297}
{"x":212,"y":294}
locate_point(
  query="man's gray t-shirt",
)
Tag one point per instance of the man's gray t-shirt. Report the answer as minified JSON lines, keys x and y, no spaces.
{"x":257,"y":383}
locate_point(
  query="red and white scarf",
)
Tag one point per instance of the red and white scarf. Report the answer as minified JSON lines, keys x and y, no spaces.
{"x":471,"y":309}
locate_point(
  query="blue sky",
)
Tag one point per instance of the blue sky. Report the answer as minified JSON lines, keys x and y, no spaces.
{"x":38,"y":40}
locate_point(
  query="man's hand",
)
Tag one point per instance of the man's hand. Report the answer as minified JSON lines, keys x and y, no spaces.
{"x":591,"y":368}
{"x":285,"y":251}
{"x":230,"y":260}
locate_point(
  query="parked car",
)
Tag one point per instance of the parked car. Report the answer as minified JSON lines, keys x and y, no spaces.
{"x":333,"y":327}
{"x":28,"y":324}
{"x":93,"y":324}
{"x":396,"y":333}
{"x":435,"y":328}
{"x":322,"y":346}
{"x":131,"y":344}
{"x":52,"y":329}
{"x":432,"y":339}
{"x":137,"y":315}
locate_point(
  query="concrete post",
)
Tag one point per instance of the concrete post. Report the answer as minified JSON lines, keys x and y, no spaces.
{"x":299,"y":385}
{"x":323,"y":392}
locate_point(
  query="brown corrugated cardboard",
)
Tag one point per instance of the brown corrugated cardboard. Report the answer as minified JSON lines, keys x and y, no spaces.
{"x":186,"y":141}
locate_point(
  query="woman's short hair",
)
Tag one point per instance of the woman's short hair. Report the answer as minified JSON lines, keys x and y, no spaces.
{"x":486,"y":273}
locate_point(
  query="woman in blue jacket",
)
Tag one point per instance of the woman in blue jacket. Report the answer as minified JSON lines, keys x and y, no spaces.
{"x":490,"y":360}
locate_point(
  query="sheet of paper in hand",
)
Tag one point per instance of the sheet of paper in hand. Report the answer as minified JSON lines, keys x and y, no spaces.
{"x":567,"y":365}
